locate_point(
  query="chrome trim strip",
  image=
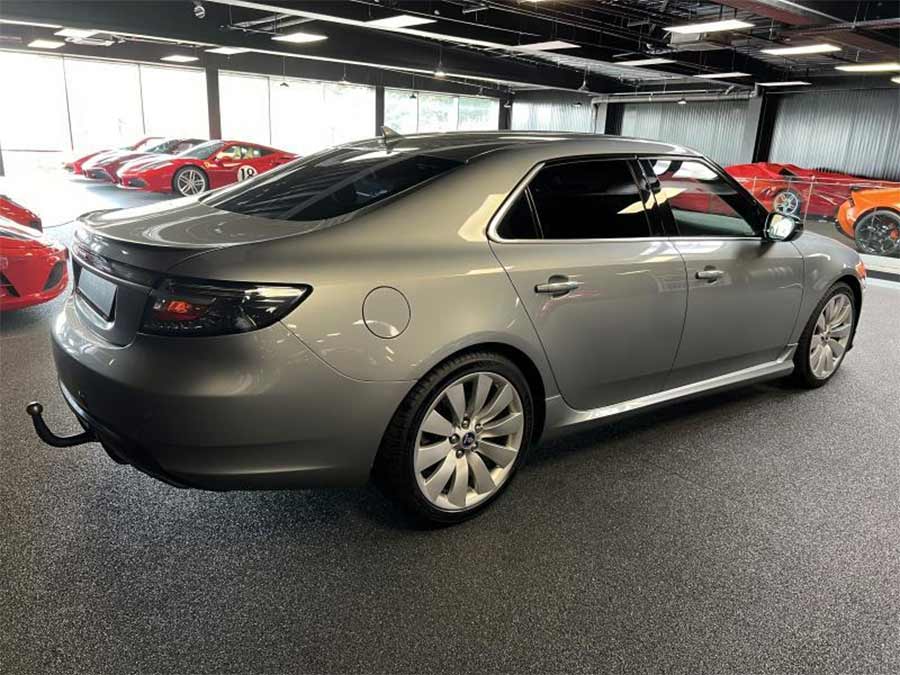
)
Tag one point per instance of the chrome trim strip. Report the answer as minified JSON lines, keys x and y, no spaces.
{"x":783,"y":365}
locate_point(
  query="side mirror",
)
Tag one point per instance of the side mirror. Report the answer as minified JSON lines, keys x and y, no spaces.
{"x":780,"y":227}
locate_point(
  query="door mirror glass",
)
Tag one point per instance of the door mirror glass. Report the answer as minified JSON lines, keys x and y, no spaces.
{"x":780,"y":227}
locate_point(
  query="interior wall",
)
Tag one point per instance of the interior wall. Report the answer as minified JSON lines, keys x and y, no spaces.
{"x":552,"y":111}
{"x":856,"y":132}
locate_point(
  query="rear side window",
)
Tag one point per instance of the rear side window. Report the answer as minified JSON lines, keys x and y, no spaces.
{"x":589,"y":200}
{"x":332,"y":184}
{"x":518,"y":223}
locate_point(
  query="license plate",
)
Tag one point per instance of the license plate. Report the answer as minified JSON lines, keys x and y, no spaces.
{"x":99,"y":292}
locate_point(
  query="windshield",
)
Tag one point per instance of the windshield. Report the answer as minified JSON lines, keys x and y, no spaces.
{"x":146,"y":144}
{"x":333,"y":183}
{"x":202,"y":151}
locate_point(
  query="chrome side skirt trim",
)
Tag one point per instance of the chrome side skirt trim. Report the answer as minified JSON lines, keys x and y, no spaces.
{"x":561,"y":415}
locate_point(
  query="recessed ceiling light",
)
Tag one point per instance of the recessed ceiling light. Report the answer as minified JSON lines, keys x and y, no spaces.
{"x":46,"y":44}
{"x":643,"y":62}
{"x":786,"y":83}
{"x":76,"y":32}
{"x":723,"y":76}
{"x":804,"y":49}
{"x":227,"y":51}
{"x":886,"y":67}
{"x":440,"y":73}
{"x":179,"y":58}
{"x":300,"y":37}
{"x":710,"y":26}
{"x":399,"y":21}
{"x":546,"y":46}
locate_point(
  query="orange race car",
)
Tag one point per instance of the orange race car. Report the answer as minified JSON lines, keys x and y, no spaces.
{"x":872,"y":218}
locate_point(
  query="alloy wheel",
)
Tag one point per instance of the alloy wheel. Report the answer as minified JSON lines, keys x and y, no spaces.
{"x":191,"y":182}
{"x":831,"y":336}
{"x":469,"y":441}
{"x":787,"y":202}
{"x":879,"y":233}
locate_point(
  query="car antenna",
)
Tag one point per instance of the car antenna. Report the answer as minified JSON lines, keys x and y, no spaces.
{"x":388,"y":135}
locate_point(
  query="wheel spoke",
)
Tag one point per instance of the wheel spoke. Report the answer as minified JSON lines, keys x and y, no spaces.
{"x":842,"y":315}
{"x":456,"y":395}
{"x":501,"y":400}
{"x":827,"y":359}
{"x":429,"y":455}
{"x":841,"y":331}
{"x":438,"y":480}
{"x":819,"y":360}
{"x":460,"y":485}
{"x":820,"y":323}
{"x":437,"y":424}
{"x":482,"y":389}
{"x":836,"y":348}
{"x":483,"y":481}
{"x":501,"y":454}
{"x":507,"y":426}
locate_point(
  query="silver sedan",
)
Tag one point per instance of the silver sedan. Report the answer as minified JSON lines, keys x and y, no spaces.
{"x":423,"y":309}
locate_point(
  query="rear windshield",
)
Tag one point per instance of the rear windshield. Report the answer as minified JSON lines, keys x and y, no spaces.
{"x":333,"y":183}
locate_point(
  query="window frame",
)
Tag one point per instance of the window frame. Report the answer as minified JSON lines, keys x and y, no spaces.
{"x":654,"y":222}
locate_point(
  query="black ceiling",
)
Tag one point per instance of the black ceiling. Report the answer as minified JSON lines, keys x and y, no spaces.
{"x":473,"y":40}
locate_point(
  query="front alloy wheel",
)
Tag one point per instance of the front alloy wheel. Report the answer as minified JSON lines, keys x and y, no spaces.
{"x":190,"y":181}
{"x":826,"y":338}
{"x":878,"y":233}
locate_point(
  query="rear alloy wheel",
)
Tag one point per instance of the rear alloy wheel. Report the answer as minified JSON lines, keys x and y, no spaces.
{"x":458,"y":438}
{"x":190,"y":181}
{"x":787,"y":202}
{"x":826,"y":338}
{"x":878,"y":233}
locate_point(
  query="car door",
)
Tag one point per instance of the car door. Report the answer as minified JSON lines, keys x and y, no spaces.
{"x":232,"y":163}
{"x":604,"y":289}
{"x":744,"y":292}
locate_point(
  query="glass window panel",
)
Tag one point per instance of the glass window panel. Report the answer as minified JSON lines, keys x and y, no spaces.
{"x":174,"y":101}
{"x":298,"y":115}
{"x":401,"y":110}
{"x":351,"y":113}
{"x":478,"y":114}
{"x":437,"y":113}
{"x":38,"y":120}
{"x":244,"y":104}
{"x":101,"y":119}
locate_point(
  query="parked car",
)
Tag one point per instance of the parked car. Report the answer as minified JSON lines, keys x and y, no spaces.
{"x":872,"y":218}
{"x":33,"y":267}
{"x":106,"y":167}
{"x":76,"y":165}
{"x":205,"y":167}
{"x":18,"y":214}
{"x":796,"y":191}
{"x":425,"y":308}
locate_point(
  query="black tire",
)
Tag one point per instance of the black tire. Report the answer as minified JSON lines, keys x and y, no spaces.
{"x":878,"y":233}
{"x":803,"y":375}
{"x":791,"y":197}
{"x":394,"y":470}
{"x":183,"y":170}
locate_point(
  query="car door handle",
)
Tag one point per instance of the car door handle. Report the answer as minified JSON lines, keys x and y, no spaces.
{"x":557,"y":286}
{"x":710,"y":275}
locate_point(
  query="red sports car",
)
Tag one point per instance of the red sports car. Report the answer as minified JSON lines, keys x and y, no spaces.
{"x":105,"y":167}
{"x":205,"y":167}
{"x":33,"y":268}
{"x":19,"y":214}
{"x":795,"y":191}
{"x":76,"y":165}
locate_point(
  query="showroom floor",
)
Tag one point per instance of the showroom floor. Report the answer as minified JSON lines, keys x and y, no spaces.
{"x":755,"y":531}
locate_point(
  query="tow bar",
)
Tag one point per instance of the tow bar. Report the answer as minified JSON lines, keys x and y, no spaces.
{"x":35,"y":409}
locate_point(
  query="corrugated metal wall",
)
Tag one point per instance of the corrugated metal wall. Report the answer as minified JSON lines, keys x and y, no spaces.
{"x":552,"y":116}
{"x":714,"y":128}
{"x":857,"y":132}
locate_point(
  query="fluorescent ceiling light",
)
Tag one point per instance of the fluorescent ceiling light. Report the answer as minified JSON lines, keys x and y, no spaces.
{"x":76,"y":32}
{"x":178,"y":58}
{"x":300,"y":37}
{"x":227,"y":51}
{"x":643,"y":62}
{"x":710,"y":26}
{"x":805,"y":49}
{"x":787,"y":83}
{"x":722,"y":76}
{"x":896,"y":79}
{"x":46,"y":44}
{"x":12,"y":22}
{"x":886,"y":67}
{"x":399,"y":21}
{"x":546,"y":46}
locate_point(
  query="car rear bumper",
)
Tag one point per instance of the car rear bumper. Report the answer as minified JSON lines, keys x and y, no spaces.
{"x":251,"y":411}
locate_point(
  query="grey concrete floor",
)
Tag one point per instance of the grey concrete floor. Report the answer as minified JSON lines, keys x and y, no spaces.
{"x":749,"y":532}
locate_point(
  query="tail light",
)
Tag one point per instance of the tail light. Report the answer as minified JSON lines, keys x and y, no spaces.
{"x":205,"y":308}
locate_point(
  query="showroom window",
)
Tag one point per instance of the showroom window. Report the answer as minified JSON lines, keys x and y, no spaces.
{"x":478,"y":114}
{"x":244,"y":105}
{"x":589,"y":200}
{"x":409,"y":112}
{"x":98,"y":119}
{"x":174,"y":101}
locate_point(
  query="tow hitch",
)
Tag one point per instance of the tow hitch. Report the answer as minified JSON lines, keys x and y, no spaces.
{"x":35,"y":409}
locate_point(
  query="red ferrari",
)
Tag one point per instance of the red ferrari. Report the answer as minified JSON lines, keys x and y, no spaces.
{"x":796,"y":191}
{"x":19,"y":214}
{"x":76,"y":165}
{"x":105,"y":167}
{"x":33,"y":268}
{"x":205,"y":167}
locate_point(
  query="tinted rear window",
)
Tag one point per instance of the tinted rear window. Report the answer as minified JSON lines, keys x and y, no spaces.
{"x":332,"y":184}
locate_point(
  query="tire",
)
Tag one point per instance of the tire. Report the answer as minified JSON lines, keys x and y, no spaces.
{"x":479,"y":463}
{"x":787,"y":202}
{"x":836,"y":338}
{"x":189,"y":181}
{"x":878,"y":233}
